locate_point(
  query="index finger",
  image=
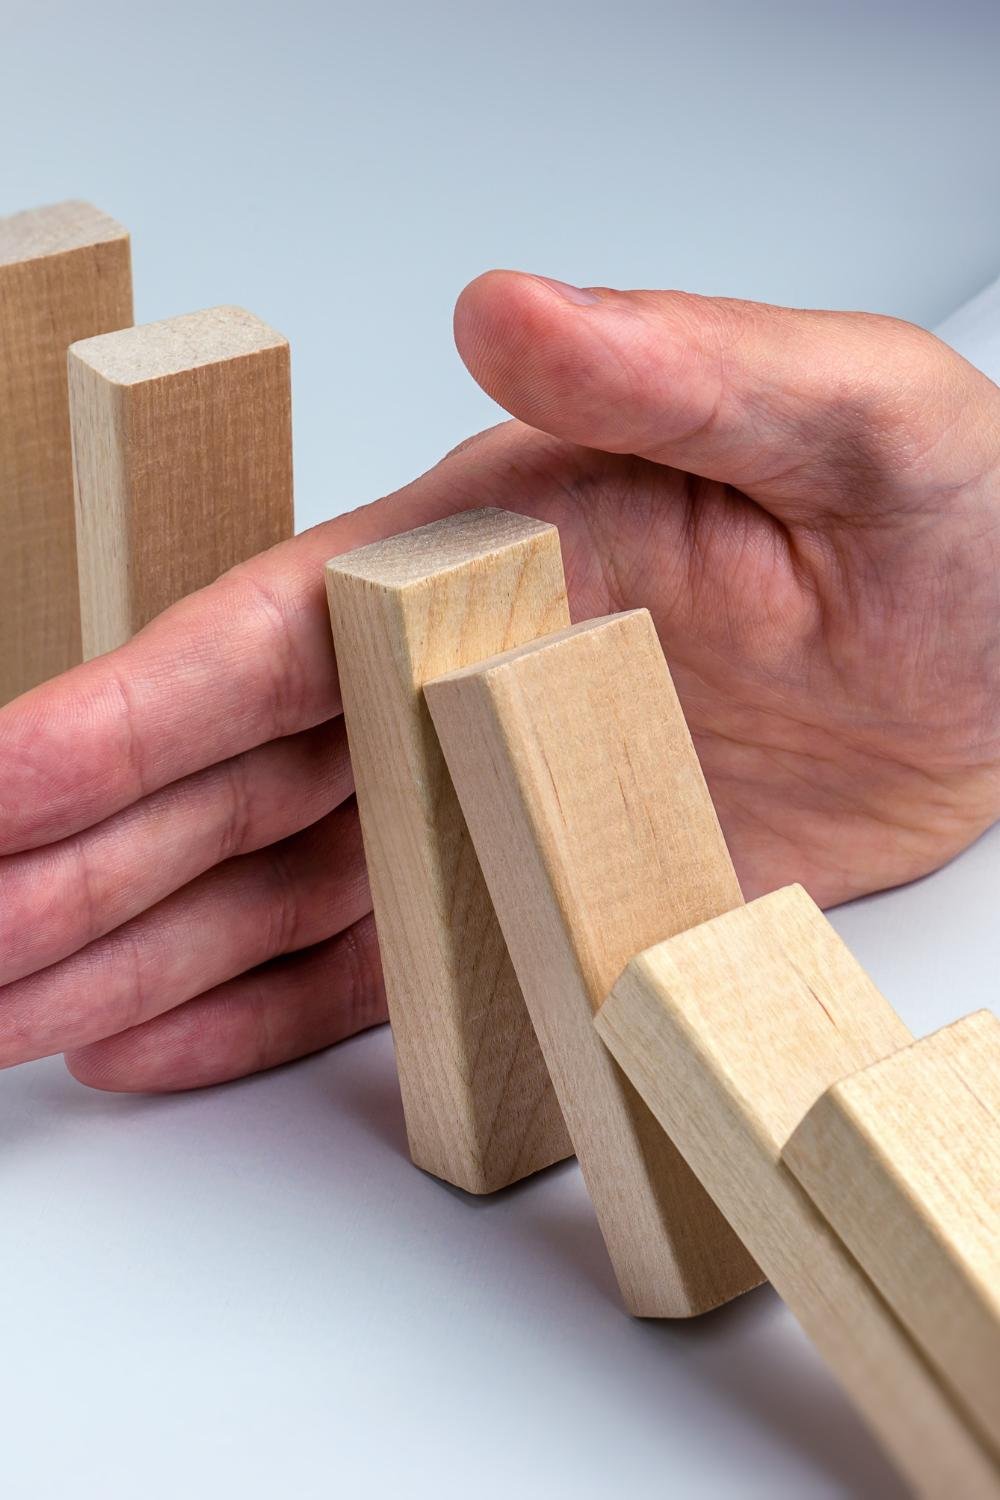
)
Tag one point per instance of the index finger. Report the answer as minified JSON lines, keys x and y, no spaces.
{"x":246,"y":660}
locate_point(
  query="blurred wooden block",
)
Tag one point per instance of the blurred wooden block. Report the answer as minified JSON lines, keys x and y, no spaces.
{"x":597,"y":836}
{"x":731,"y":1032}
{"x":65,"y":273}
{"x":903,"y":1159}
{"x":182,"y":444}
{"x":480,"y":1110}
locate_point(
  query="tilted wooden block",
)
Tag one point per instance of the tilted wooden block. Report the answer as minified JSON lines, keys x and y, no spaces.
{"x":597,"y":836}
{"x":480,"y":1110}
{"x":65,"y":273}
{"x":182,"y":447}
{"x":731,"y":1032}
{"x":903,"y":1159}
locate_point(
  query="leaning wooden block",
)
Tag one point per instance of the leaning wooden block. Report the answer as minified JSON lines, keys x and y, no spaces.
{"x":903,"y":1159}
{"x":480,"y":1110}
{"x":731,"y":1032}
{"x":65,"y":273}
{"x":597,"y":836}
{"x":182,"y":447}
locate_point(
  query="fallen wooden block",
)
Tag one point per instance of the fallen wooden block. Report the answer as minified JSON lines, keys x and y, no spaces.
{"x":182,"y":451}
{"x":65,"y":273}
{"x":903,"y":1159}
{"x":480,"y":1110}
{"x":597,"y":836}
{"x":731,"y":1032}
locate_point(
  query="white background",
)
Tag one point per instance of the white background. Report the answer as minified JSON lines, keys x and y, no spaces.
{"x":342,"y":169}
{"x":248,"y":1292}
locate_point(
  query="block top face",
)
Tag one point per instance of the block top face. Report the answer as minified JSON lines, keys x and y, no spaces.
{"x":634,"y":627}
{"x":445,"y":546}
{"x":54,"y":229}
{"x":786,"y":1006}
{"x":151,"y":351}
{"x":930,"y":1115}
{"x":939,"y":1065}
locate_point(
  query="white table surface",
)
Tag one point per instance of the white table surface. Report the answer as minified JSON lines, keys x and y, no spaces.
{"x":248,"y":1292}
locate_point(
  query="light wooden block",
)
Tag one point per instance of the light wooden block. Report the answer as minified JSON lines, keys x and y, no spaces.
{"x":597,"y":836}
{"x":903,"y":1159}
{"x":65,"y":273}
{"x":480,"y":1110}
{"x":182,"y":445}
{"x":731,"y":1032}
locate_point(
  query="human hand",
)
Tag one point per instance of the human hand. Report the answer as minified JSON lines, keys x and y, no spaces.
{"x":809,"y":505}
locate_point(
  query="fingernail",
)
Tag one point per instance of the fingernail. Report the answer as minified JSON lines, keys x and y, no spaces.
{"x":578,"y":294}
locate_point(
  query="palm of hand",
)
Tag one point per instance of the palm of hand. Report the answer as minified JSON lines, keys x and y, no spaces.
{"x":838,"y":689}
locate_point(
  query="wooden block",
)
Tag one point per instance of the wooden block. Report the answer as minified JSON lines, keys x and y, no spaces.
{"x":480,"y":1110}
{"x":731,"y":1032}
{"x":182,"y":447}
{"x":903,"y":1159}
{"x":597,"y":836}
{"x":65,"y":273}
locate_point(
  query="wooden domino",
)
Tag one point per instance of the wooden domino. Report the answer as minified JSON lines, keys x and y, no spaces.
{"x":903,"y":1159}
{"x":65,"y":274}
{"x":183,"y":461}
{"x":479,"y":1107}
{"x":731,"y":1032}
{"x":597,"y":836}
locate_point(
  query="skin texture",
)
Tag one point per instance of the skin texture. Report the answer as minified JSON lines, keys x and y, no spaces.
{"x":808,"y":503}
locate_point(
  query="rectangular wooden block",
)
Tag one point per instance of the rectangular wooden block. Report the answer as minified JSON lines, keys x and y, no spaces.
{"x":182,"y":446}
{"x":731,"y":1032}
{"x":65,"y":274}
{"x":480,"y":1110}
{"x":903,"y":1159}
{"x":597,"y":836}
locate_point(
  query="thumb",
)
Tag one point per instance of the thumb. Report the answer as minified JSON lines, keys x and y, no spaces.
{"x":847,"y":409}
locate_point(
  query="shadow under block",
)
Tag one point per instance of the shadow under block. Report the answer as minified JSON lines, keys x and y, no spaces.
{"x":182,"y":446}
{"x":731,"y":1032}
{"x":597,"y":836}
{"x":480,"y":1109}
{"x":65,"y":274}
{"x":903,"y":1159}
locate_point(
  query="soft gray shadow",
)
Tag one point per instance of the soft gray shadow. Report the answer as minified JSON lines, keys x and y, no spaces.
{"x":781,"y":1383}
{"x":42,"y":1101}
{"x":370,"y":1095}
{"x":736,"y":1349}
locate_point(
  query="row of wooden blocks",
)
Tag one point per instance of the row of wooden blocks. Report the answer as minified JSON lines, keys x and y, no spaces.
{"x":570,"y":965}
{"x":136,"y":463}
{"x":569,"y":962}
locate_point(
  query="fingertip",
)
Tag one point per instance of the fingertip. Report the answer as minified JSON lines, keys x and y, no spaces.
{"x":533,"y":345}
{"x":285,"y":1009}
{"x":499,"y":302}
{"x":486,"y":313}
{"x":94,"y":1068}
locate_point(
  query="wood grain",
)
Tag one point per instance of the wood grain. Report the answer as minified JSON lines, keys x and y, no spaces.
{"x":480,"y":1110}
{"x":65,"y":273}
{"x":903,"y":1159}
{"x":731,"y":1032}
{"x":597,"y":836}
{"x":183,"y":461}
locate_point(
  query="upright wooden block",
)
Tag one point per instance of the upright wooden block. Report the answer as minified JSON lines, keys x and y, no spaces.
{"x":480,"y":1110}
{"x":731,"y":1032}
{"x":182,"y":446}
{"x":597,"y":836}
{"x":65,"y":273}
{"x":903,"y":1159}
